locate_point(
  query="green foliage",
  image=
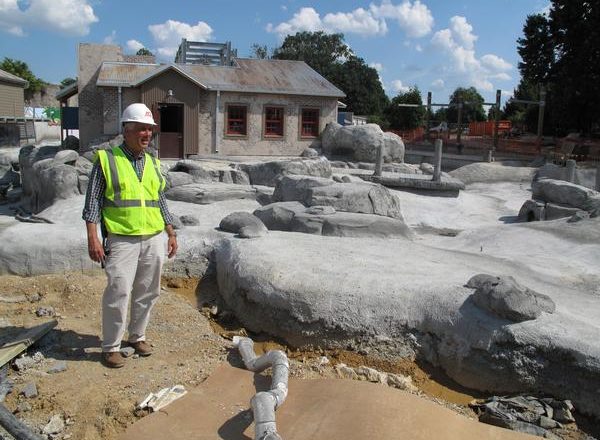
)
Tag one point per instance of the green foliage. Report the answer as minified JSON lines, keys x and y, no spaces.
{"x":406,"y":118}
{"x":144,"y":52}
{"x":440,"y":115}
{"x":364,"y":93}
{"x":52,"y":113}
{"x":332,"y":58}
{"x":323,"y":52}
{"x":21,"y":69}
{"x":472,"y":109}
{"x":259,"y":51}
{"x":380,"y":120}
{"x":67,"y":81}
{"x":561,"y":51}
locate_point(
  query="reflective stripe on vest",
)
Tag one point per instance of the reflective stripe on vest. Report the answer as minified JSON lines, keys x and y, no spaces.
{"x":130,"y":204}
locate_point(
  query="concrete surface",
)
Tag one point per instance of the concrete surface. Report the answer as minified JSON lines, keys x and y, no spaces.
{"x":314,"y":409}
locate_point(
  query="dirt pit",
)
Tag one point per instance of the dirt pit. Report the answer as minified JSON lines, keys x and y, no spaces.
{"x":99,"y":403}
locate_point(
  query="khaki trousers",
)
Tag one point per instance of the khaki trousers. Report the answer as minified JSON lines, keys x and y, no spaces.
{"x":133,"y":269}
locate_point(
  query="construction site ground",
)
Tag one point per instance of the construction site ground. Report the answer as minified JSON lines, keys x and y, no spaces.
{"x":100,"y":403}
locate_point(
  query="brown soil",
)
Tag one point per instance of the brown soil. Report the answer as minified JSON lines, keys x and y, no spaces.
{"x":98,"y":403}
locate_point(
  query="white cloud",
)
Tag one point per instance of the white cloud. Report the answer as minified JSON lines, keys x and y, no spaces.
{"x":71,"y":17}
{"x":495,"y":63}
{"x":462,"y":32}
{"x":358,"y":21}
{"x":415,"y":19}
{"x":438,"y":84}
{"x":457,"y":43}
{"x":306,"y":19}
{"x":398,"y":87}
{"x":168,"y":35}
{"x":419,"y":48}
{"x":110,"y":39}
{"x":376,"y":66}
{"x":134,"y":45}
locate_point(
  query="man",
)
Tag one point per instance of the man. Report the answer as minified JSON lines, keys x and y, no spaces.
{"x":125,"y":193}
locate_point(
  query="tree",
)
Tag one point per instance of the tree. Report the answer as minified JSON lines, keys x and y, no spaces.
{"x":21,"y":69}
{"x":323,"y":52}
{"x":144,"y":52}
{"x":536,"y":49}
{"x":333,"y":59}
{"x":364,"y":93}
{"x":406,"y":118}
{"x":259,"y":51}
{"x":472,"y":105}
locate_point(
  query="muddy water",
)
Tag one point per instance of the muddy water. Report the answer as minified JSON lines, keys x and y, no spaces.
{"x":429,"y":380}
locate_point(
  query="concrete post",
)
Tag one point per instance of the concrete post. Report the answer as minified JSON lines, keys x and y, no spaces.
{"x":598,"y":178}
{"x":437,"y":161}
{"x":571,"y":166}
{"x":488,"y":156}
{"x":379,"y":161}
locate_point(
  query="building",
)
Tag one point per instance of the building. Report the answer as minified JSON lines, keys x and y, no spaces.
{"x":217,"y":104}
{"x":12,"y":95}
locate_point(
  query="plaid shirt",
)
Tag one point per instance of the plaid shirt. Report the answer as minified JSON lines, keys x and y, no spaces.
{"x":94,"y":197}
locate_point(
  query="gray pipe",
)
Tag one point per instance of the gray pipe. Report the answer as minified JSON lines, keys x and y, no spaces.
{"x":265,"y":403}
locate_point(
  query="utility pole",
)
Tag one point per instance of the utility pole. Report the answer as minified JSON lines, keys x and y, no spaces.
{"x":497,"y":119}
{"x":459,"y":129}
{"x":542,"y":106}
{"x":427,"y":115}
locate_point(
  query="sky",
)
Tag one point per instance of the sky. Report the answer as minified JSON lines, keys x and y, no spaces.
{"x":437,"y":45}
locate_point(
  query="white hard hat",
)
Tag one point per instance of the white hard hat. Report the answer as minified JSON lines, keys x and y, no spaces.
{"x":137,"y":113}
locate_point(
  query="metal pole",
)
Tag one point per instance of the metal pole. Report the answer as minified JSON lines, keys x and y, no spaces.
{"x":571,"y":166}
{"x":437,"y":170}
{"x":542,"y":105}
{"x":459,"y":130}
{"x":497,"y":119}
{"x":379,"y":159}
{"x":427,"y":115}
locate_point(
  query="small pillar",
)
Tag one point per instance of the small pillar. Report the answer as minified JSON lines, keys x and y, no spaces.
{"x":489,"y":156}
{"x":437,"y":161}
{"x":598,"y":178}
{"x":379,"y":160}
{"x":571,"y":166}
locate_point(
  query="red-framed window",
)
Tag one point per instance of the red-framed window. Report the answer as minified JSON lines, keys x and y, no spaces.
{"x":274,"y":121}
{"x":237,"y":120}
{"x":309,"y":122}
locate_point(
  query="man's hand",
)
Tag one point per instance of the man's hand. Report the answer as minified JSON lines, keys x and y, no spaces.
{"x":95,"y":248}
{"x":172,"y":245}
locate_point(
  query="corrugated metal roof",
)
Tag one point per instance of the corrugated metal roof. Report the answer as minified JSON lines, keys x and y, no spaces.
{"x":5,"y":76}
{"x":67,"y":91}
{"x":114,"y":74}
{"x":249,"y":76}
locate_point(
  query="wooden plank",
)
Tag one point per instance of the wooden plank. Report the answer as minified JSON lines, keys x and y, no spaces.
{"x":13,"y":344}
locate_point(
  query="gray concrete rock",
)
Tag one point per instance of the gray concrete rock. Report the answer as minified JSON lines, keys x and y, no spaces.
{"x":277,"y":216}
{"x":189,"y":220}
{"x":296,"y":187}
{"x":253,"y":231}
{"x":554,"y":211}
{"x":268,"y":173}
{"x":83,"y":166}
{"x":578,"y":216}
{"x":504,"y":297}
{"x":71,"y":143}
{"x":196,"y":169}
{"x":320,"y":210}
{"x":361,"y":142}
{"x":236,"y":221}
{"x":309,"y":152}
{"x":584,"y":176}
{"x":363,"y":197}
{"x":532,"y":211}
{"x":349,"y":224}
{"x":58,"y":367}
{"x":565,"y":193}
{"x":492,"y":172}
{"x":66,"y":156}
{"x":205,"y":193}
{"x":239,"y":177}
{"x":56,"y":425}
{"x":45,"y":180}
{"x":178,"y":178}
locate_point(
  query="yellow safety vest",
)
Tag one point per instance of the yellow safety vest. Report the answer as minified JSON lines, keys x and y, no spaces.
{"x":130,"y":206}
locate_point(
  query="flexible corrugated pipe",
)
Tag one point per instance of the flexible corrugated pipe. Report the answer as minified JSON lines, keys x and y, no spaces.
{"x":265,"y":403}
